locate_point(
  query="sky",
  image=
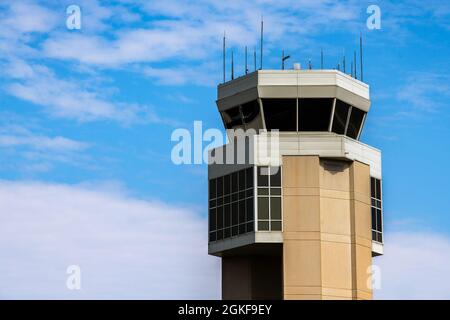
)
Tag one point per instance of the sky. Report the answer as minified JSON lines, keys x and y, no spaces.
{"x":86,"y":118}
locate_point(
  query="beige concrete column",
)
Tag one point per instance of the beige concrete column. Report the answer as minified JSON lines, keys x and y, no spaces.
{"x":326,"y":228}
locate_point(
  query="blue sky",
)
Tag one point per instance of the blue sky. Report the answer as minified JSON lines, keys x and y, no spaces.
{"x":90,"y":113}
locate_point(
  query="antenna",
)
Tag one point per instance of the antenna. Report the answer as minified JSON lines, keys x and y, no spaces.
{"x":283,"y":59}
{"x":339,"y":67}
{"x":354,"y":61}
{"x":224,"y":63}
{"x":232,"y":64}
{"x":262,"y":39}
{"x":321,"y":59}
{"x":361,"y":55}
{"x":351,"y":69}
{"x":309,"y":64}
{"x":254,"y":56}
{"x":343,"y":63}
{"x":246,"y":68}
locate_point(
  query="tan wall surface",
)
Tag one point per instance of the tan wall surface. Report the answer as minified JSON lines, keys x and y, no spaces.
{"x":326,"y":229}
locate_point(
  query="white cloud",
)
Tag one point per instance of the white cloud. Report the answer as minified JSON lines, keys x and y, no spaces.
{"x":126,"y":248}
{"x":424,"y":89}
{"x":71,"y":98}
{"x":415,"y":265}
{"x":42,"y":142}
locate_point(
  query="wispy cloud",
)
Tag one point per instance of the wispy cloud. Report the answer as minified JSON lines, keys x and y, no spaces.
{"x":126,"y":247}
{"x":414,"y":266}
{"x":71,"y":98}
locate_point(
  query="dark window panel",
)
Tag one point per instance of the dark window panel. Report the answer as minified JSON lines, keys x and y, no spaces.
{"x":242,"y":215}
{"x":227,"y":184}
{"x":219,"y":201}
{"x":227,"y":200}
{"x":227,"y":214}
{"x":242,"y":228}
{"x":219,"y":234}
{"x":242,"y":180}
{"x":263,"y":225}
{"x":263,"y":178}
{"x":234,"y":182}
{"x":250,"y":226}
{"x":374,"y":235}
{"x":356,"y":118}
{"x":249,"y":193}
{"x":263,"y":208}
{"x":340,"y":117}
{"x":379,"y":225}
{"x":212,"y":203}
{"x":275,"y":225}
{"x":380,"y":237}
{"x":275,"y":177}
{"x":280,"y":114}
{"x":374,"y":219}
{"x":378,"y":189}
{"x":212,"y":236}
{"x":219,"y":213}
{"x":227,"y":233}
{"x":212,"y":219}
{"x":234,"y":231}
{"x":275,"y":208}
{"x":234,"y":213}
{"x":275,"y":191}
{"x":212,"y":188}
{"x":250,"y":111}
{"x":314,"y":114}
{"x":249,"y":209}
{"x":242,"y":195}
{"x":232,"y":117}
{"x":219,"y":186}
{"x":249,"y":177}
{"x":263,"y":191}
{"x":234,"y":197}
{"x":373,"y":188}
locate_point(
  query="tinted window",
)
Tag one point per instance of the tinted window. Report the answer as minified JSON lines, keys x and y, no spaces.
{"x":356,"y":118}
{"x":250,"y":111}
{"x":314,"y":114}
{"x":280,"y":114}
{"x":232,"y":117}
{"x":340,"y":117}
{"x":263,"y":176}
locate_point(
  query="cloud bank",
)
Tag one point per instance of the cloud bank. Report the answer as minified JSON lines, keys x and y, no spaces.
{"x":126,"y":248}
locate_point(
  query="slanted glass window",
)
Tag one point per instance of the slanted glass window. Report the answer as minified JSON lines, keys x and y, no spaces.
{"x":354,"y":124}
{"x":269,"y":199}
{"x":377,"y":223}
{"x":340,"y":117}
{"x":314,"y":114}
{"x":250,"y":111}
{"x":232,"y":117}
{"x":280,"y":114}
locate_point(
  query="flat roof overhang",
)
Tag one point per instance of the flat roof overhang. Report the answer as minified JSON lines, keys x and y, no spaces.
{"x":293,"y":84}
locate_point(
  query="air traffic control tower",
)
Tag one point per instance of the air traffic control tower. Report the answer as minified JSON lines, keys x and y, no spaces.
{"x":305,"y":222}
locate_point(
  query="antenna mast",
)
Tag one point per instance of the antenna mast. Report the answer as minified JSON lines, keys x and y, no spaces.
{"x":254,"y":57}
{"x":232,"y":64}
{"x":224,"y":63}
{"x":361,"y":55}
{"x":321,"y":59}
{"x":262,"y":39}
{"x":354,"y":61}
{"x":246,"y":68}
